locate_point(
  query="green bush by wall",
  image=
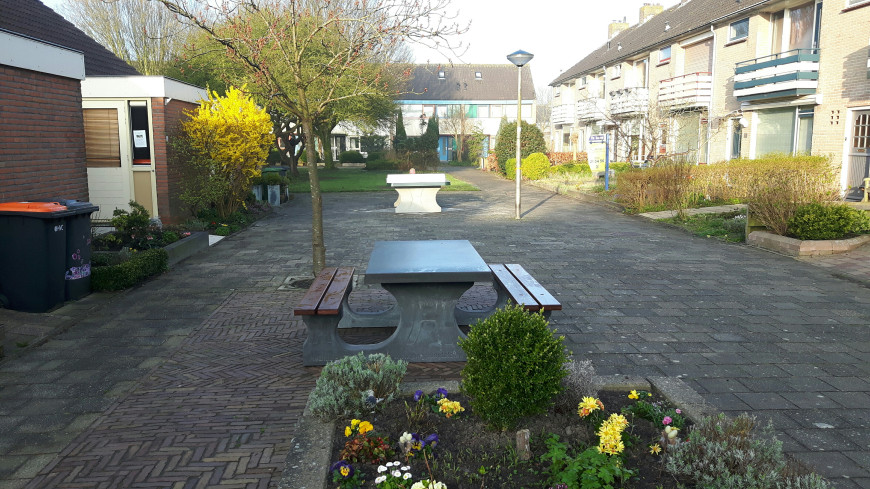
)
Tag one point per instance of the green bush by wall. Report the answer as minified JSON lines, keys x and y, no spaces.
{"x":140,"y":266}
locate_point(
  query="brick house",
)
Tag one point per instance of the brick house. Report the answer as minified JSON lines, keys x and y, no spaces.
{"x":721,"y":79}
{"x":77,"y":122}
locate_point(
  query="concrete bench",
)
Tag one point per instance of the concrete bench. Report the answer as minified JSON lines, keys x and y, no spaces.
{"x":321,"y":309}
{"x":417,"y":191}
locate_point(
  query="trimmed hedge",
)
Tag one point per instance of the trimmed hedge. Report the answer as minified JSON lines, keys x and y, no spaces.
{"x":351,"y":157}
{"x":140,"y":266}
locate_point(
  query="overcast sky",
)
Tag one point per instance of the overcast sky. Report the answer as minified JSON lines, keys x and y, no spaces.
{"x":557,"y":32}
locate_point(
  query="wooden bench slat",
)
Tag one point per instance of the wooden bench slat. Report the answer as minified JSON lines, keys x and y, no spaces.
{"x":308,"y":305}
{"x":338,"y":289}
{"x":541,"y":295}
{"x":519,"y":293}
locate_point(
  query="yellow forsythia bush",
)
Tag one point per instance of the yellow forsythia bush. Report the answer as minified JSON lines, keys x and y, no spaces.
{"x":233,"y":135}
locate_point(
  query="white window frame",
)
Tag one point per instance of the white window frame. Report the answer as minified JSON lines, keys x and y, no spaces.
{"x":661,"y":52}
{"x":731,"y":36}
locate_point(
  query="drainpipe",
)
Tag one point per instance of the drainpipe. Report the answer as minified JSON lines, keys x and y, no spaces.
{"x":713,"y":92}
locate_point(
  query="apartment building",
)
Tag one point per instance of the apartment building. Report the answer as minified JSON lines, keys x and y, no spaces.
{"x":710,"y":80}
{"x":465,"y":97}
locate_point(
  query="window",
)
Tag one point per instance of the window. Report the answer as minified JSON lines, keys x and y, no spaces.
{"x":442,"y":111}
{"x":478,"y":75}
{"x":102,"y":143}
{"x":738,"y":30}
{"x":616,"y":71}
{"x":640,"y":74}
{"x":795,"y":28}
{"x":441,"y":75}
{"x":665,"y":54}
{"x":495,"y":111}
{"x":784,"y":130}
{"x":582,"y":81}
{"x":526,"y":112}
{"x":557,"y":92}
{"x":483,"y":111}
{"x":852,"y":3}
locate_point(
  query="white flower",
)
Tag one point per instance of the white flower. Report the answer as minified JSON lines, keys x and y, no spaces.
{"x":380,"y":479}
{"x":381,"y":469}
{"x":390,"y":464}
{"x":417,"y":485}
{"x":406,"y":467}
{"x":405,"y":438}
{"x":406,"y":476}
{"x":396,"y":473}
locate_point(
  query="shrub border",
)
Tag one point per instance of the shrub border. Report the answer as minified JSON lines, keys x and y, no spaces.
{"x":311,"y":446}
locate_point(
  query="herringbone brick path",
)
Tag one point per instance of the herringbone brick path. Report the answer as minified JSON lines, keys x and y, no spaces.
{"x":219,"y":413}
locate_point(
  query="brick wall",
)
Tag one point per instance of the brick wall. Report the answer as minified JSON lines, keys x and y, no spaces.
{"x":165,"y":123}
{"x":42,"y":144}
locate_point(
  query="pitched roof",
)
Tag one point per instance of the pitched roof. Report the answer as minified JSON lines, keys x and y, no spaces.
{"x":687,"y":17}
{"x":33,"y":19}
{"x":460,"y":82}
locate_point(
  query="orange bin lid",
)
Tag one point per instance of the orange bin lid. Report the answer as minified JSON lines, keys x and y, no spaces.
{"x":31,"y":207}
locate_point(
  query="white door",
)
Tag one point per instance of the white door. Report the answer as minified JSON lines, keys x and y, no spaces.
{"x":108,"y":156}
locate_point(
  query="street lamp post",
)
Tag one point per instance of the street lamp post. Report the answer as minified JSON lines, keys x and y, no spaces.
{"x":519,"y":58}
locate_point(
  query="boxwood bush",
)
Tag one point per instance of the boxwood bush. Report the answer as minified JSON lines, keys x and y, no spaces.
{"x":140,"y":266}
{"x":351,"y":157}
{"x":515,"y":366}
{"x":820,"y":221}
{"x":535,"y":167}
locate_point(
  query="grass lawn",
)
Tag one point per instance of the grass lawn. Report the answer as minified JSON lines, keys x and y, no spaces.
{"x":728,"y":227}
{"x":360,"y":180}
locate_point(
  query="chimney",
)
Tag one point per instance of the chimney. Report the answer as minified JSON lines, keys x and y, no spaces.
{"x":616,"y":27}
{"x":648,"y":11}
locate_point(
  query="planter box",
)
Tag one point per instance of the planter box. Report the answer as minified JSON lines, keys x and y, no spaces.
{"x":186,"y":247}
{"x":795,"y":247}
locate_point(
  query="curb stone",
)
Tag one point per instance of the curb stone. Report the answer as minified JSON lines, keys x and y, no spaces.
{"x":311,"y":447}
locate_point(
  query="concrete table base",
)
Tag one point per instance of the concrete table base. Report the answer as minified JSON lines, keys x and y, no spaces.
{"x":415,"y":200}
{"x":426,"y":332}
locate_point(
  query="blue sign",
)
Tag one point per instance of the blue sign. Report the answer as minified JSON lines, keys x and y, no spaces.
{"x":598,"y":138}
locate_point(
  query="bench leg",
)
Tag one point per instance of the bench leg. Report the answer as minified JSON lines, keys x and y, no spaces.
{"x":417,"y":200}
{"x":351,"y":319}
{"x":323,"y":344}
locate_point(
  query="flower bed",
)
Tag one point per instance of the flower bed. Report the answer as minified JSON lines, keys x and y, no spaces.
{"x":435,"y":438}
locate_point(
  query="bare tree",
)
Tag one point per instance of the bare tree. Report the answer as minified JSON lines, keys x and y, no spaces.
{"x":306,"y":56}
{"x":543,"y":107}
{"x":142,"y":33}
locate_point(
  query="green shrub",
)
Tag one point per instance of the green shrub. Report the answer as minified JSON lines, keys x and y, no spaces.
{"x":536,"y":166}
{"x":723,"y":453}
{"x":352,"y":385}
{"x":510,"y":168}
{"x":351,"y":157}
{"x":588,"y":469}
{"x":820,"y":221}
{"x":382,"y":165}
{"x":515,"y":366}
{"x":531,"y":141}
{"x":375,"y":156}
{"x":223,"y":230}
{"x":129,"y":273}
{"x":273,"y":178}
{"x":132,"y":226}
{"x":579,"y":169}
{"x":170,"y":237}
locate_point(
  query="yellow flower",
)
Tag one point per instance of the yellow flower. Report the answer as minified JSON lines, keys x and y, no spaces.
{"x":365,"y":427}
{"x":347,"y":431}
{"x":354,"y":423}
{"x":633,"y":395}
{"x":345,"y":470}
{"x":655,"y":449}
{"x":588,"y":405}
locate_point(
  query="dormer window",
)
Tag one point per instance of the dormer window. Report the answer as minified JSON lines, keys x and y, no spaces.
{"x":478,"y":75}
{"x":441,"y":74}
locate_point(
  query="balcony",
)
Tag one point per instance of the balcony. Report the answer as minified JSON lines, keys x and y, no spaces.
{"x":686,"y":91}
{"x":562,"y":114}
{"x":788,"y":74}
{"x":629,"y":101}
{"x":591,"y":109}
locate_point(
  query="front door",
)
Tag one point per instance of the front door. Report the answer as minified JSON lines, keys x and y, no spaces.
{"x":108,"y":156}
{"x":859,"y":148}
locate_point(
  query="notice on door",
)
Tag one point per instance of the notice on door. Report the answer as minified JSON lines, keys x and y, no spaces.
{"x":139,"y":139}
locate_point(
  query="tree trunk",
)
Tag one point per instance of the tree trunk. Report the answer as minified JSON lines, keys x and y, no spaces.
{"x":318,"y":248}
{"x":326,"y":143}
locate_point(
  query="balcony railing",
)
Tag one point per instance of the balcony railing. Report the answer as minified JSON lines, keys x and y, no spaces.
{"x":563,"y":114}
{"x":591,"y":109}
{"x":787,"y":74}
{"x":628,"y":101}
{"x":689,"y":90}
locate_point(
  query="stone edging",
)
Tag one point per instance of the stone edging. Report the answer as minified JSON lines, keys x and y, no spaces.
{"x":186,"y":247}
{"x":310,"y":448}
{"x":795,"y":247}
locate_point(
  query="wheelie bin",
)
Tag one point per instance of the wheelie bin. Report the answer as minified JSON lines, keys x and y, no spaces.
{"x":33,"y":245}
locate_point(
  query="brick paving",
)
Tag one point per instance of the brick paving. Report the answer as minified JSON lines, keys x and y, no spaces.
{"x":195,"y":380}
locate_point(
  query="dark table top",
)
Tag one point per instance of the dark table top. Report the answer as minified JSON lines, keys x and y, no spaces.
{"x":426,"y":261}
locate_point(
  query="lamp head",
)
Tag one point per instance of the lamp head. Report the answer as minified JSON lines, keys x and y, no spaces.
{"x":520,"y":58}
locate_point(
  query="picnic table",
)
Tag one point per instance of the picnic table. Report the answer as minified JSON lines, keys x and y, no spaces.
{"x":427,"y":279}
{"x":417,"y":191}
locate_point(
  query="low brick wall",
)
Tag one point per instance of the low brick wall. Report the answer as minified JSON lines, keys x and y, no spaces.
{"x":796,"y":247}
